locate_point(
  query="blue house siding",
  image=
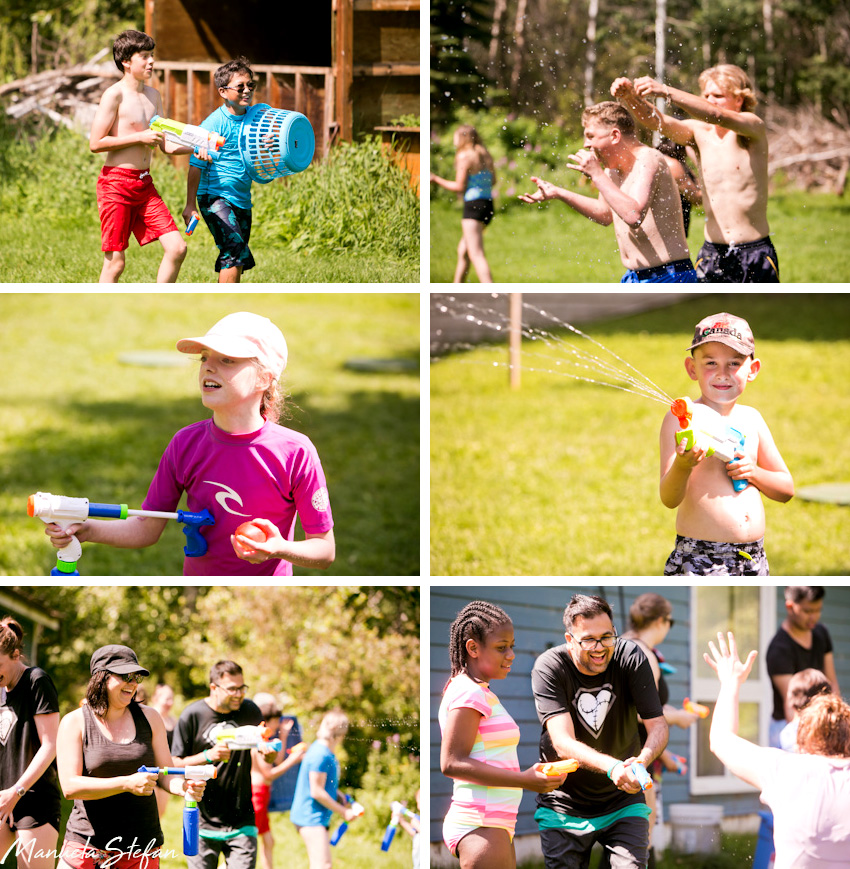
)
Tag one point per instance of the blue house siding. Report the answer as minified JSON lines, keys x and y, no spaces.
{"x":536,"y":612}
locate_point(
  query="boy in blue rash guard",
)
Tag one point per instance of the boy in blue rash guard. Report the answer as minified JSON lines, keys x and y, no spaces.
{"x":223,"y":188}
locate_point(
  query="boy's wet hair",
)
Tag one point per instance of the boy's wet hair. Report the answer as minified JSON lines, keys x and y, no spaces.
{"x":226,"y":71}
{"x":612,"y":115}
{"x":128,"y":43}
{"x":733,"y":80}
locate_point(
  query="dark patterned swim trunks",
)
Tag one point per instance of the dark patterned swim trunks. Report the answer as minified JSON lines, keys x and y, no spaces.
{"x":706,"y":558}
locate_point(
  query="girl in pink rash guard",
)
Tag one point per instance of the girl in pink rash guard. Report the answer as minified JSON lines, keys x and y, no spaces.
{"x":240,"y":465}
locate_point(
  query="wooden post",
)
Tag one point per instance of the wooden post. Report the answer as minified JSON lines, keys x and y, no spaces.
{"x":515,"y":343}
{"x":344,"y":66}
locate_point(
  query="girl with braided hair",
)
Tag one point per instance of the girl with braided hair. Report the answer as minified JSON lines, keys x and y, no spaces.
{"x":479,"y":747}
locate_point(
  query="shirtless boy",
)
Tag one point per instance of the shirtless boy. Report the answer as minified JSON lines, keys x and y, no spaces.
{"x":720,"y":532}
{"x":731,"y":146}
{"x":636,"y":192}
{"x":126,"y":197}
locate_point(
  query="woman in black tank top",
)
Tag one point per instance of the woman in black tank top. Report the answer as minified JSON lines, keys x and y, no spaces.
{"x":101,"y":746}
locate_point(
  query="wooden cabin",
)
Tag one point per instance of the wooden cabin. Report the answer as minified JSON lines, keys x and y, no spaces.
{"x":350,"y":66}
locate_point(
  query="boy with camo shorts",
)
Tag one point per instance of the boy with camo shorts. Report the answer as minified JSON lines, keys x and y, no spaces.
{"x":720,"y":532}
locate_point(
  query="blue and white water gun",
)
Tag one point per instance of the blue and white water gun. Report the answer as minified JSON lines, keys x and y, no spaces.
{"x":706,"y":428}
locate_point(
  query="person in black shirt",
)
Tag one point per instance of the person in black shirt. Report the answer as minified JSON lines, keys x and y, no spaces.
{"x":589,"y":693}
{"x":29,"y":787}
{"x":800,"y":643}
{"x":227,"y":815}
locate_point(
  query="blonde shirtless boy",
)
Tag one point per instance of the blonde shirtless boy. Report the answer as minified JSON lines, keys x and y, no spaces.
{"x":126,"y":197}
{"x":731,"y":146}
{"x":636,"y":192}
{"x":720,"y":532}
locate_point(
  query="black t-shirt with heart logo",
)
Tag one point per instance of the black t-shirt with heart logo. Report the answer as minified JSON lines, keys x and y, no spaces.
{"x":604,"y":711}
{"x":34,"y":694}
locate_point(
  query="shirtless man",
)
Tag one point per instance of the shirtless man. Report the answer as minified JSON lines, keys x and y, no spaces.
{"x":731,"y":146}
{"x":126,"y":197}
{"x":720,"y":532}
{"x":636,"y":192}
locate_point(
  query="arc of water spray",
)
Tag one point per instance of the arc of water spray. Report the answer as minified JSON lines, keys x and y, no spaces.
{"x":619,"y":369}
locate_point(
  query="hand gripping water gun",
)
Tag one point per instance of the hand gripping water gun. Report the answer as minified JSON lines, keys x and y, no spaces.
{"x":249,"y":736}
{"x":298,"y":748}
{"x":398,"y":812}
{"x":706,"y":428}
{"x":193,"y":223}
{"x":65,"y":511}
{"x":191,"y":813}
{"x":187,"y":134}
{"x":681,"y":763}
{"x":642,"y":776}
{"x":557,"y":767}
{"x":340,"y":830}
{"x":695,"y":708}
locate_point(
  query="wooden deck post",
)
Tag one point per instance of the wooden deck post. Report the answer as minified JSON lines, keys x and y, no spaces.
{"x":344,"y":66}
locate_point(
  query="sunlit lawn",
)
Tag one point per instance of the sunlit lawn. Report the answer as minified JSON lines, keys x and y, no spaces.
{"x":554,"y":244}
{"x":561,"y":477}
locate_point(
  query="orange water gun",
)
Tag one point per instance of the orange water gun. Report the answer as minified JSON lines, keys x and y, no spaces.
{"x":557,"y":767}
{"x":695,"y":708}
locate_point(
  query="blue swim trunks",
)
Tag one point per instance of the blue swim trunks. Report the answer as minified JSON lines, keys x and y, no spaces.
{"x":679,"y":272}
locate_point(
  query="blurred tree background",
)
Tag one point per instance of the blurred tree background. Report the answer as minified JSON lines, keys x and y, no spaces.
{"x":318,"y":648}
{"x":548,"y":58}
{"x":37,"y":35}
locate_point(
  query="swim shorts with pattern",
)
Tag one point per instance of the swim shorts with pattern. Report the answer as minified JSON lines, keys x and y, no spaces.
{"x":707,"y":558}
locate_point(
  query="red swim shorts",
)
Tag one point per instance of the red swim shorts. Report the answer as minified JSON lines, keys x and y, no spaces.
{"x":260,"y":796}
{"x":128,"y":202}
{"x":80,"y":856}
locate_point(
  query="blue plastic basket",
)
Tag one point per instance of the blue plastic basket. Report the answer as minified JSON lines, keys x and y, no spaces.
{"x":275,"y":143}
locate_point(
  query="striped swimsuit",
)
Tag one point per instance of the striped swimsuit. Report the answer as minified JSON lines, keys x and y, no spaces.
{"x":472,"y":805}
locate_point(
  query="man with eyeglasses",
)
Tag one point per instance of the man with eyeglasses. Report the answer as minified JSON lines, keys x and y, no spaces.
{"x":589,"y":693}
{"x":227,"y":814}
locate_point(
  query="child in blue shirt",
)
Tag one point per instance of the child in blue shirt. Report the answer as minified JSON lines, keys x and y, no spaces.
{"x":223,"y":187}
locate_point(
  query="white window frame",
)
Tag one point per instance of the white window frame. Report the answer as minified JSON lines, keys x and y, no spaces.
{"x":757,"y":689}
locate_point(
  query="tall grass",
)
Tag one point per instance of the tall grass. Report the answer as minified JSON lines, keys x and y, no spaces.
{"x":355,"y":199}
{"x":350,"y":217}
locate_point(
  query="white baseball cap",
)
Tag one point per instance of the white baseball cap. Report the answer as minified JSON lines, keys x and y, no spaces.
{"x":243,"y":336}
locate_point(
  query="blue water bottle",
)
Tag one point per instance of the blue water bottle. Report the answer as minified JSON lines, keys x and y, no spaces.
{"x":339,"y":832}
{"x":191,"y":828}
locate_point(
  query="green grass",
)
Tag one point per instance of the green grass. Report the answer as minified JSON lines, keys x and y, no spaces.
{"x":555,"y":244}
{"x":736,"y":850}
{"x":73,"y":256}
{"x":560,"y":477}
{"x":360,"y":848}
{"x":76,"y":421}
{"x":349,"y":218}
